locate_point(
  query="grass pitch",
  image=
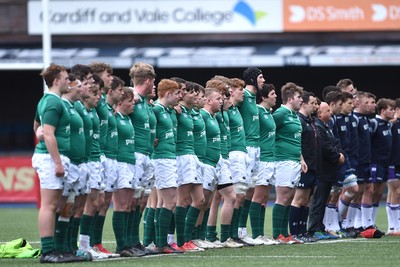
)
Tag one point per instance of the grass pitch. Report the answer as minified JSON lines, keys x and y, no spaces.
{"x":22,"y":222}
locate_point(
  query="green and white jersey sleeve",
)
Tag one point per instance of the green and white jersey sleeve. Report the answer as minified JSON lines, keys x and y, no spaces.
{"x":111,"y":147}
{"x":174,"y":122}
{"x":141,"y":123}
{"x":166,"y":147}
{"x":77,"y":137}
{"x":223,"y":123}
{"x":153,"y":125}
{"x":238,"y":136}
{"x":249,"y":111}
{"x":185,"y":139}
{"x":87,"y":127}
{"x":199,"y":134}
{"x":126,"y":139}
{"x":213,"y":134}
{"x":102,"y":112}
{"x":288,"y":135}
{"x":52,"y":111}
{"x":95,"y":149}
{"x":267,"y":135}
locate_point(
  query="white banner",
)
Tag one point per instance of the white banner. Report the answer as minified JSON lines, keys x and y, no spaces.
{"x":158,"y":17}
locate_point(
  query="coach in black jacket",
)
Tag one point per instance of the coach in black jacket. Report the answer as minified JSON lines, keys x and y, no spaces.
{"x":329,"y":158}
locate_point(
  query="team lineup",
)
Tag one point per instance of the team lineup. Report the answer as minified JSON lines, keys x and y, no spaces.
{"x":181,"y":157}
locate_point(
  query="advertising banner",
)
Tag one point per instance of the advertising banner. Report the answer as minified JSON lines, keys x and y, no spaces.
{"x":18,"y":180}
{"x":341,"y":15}
{"x":152,"y":17}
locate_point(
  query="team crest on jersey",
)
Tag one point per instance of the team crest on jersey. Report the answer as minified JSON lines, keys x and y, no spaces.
{"x":72,"y":111}
{"x":290,"y":118}
{"x":165,"y":116}
{"x":250,"y":100}
{"x":195,"y":118}
{"x":234,"y":112}
{"x":184,"y":115}
{"x":123,"y":122}
{"x":266,"y":116}
{"x":140,"y":106}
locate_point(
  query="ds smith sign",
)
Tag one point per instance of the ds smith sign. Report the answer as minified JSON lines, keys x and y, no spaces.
{"x":168,"y":16}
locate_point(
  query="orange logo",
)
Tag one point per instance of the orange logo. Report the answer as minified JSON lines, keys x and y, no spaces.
{"x":341,"y":15}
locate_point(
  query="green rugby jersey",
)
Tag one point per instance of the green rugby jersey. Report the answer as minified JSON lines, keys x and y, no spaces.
{"x":140,"y":120}
{"x":153,"y":124}
{"x":249,"y":111}
{"x":126,"y":139}
{"x":288,"y":135}
{"x":166,"y":147}
{"x":77,"y":138}
{"x":87,"y":127}
{"x":267,"y":135}
{"x":95,"y":149}
{"x":111,"y":146}
{"x":213,"y":134}
{"x":223,"y":123}
{"x":52,"y":111}
{"x":238,"y":136}
{"x":185,"y":138}
{"x":199,"y":134}
{"x":174,"y":119}
{"x":102,"y":112}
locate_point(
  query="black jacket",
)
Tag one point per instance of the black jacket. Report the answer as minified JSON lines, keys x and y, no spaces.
{"x":308,"y":142}
{"x":328,"y":153}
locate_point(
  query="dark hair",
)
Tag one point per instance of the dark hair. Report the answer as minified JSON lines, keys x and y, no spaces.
{"x":81,"y":71}
{"x":116,"y":82}
{"x":333,"y":96}
{"x":397,"y":103}
{"x":384,"y":103}
{"x":346,"y":95}
{"x":344,"y":83}
{"x":98,"y":80}
{"x":328,"y":89}
{"x":264,"y":91}
{"x":306,"y":96}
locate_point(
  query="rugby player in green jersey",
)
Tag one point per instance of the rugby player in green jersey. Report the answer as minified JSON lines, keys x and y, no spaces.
{"x":254,"y":81}
{"x":94,"y":176}
{"x":49,"y":159}
{"x":114,"y":95}
{"x":101,"y":71}
{"x":190,"y":188}
{"x":289,"y":161}
{"x":223,"y":180}
{"x":200,"y":139}
{"x":142,"y":77}
{"x":266,"y":170}
{"x":150,"y":193}
{"x":65,"y":228}
{"x":165,"y":161}
{"x":84,"y":74}
{"x":213,"y":134}
{"x":125,"y":184}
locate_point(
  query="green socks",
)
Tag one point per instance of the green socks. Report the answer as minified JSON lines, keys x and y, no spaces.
{"x":164,"y":221}
{"x":278,"y":220}
{"x":120,"y":229}
{"x":191,"y":218}
{"x":47,"y":244}
{"x":255,"y":219}
{"x":180,"y":215}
